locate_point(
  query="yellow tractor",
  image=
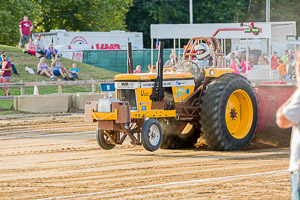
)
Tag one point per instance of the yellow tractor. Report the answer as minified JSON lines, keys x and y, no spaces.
{"x":171,"y":109}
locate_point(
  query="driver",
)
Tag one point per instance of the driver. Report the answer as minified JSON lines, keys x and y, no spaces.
{"x":203,"y":57}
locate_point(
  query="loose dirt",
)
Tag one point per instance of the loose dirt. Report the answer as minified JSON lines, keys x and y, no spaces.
{"x":58,"y":158}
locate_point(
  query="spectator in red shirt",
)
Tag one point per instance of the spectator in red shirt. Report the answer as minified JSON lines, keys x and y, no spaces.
{"x":5,"y":73}
{"x":25,"y":28}
{"x":274,"y":61}
{"x":137,"y":69}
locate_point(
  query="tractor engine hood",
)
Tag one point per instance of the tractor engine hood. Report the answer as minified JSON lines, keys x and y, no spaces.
{"x":147,"y":80}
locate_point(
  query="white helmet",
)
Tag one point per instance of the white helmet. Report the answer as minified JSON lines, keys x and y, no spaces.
{"x":205,"y":52}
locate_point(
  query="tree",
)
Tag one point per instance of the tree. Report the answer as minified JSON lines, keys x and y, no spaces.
{"x":71,"y":15}
{"x":78,"y":15}
{"x":143,"y":13}
{"x":280,"y":10}
{"x":11,"y":14}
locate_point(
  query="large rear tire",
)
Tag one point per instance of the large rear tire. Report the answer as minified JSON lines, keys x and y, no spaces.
{"x":177,"y":135}
{"x":228,"y":113}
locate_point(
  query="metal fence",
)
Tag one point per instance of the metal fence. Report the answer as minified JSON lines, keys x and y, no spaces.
{"x":117,"y":60}
{"x":59,"y":84}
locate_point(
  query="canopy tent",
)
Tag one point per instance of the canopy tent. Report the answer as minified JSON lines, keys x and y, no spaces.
{"x":273,"y":31}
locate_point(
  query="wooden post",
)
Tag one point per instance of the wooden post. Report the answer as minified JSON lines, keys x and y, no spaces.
{"x":93,"y":87}
{"x":22,"y":88}
{"x":59,"y":87}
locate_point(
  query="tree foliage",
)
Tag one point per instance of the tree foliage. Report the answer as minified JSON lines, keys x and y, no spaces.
{"x":11,"y":14}
{"x":71,"y":15}
{"x":146,"y":12}
{"x":135,"y":15}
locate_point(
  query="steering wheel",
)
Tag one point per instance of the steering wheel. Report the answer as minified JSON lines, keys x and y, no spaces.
{"x":191,"y":67}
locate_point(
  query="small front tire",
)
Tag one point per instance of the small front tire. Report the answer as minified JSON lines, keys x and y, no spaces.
{"x":103,"y":140}
{"x":151,"y":135}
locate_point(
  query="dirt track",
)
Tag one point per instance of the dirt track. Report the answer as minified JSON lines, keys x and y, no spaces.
{"x":60,"y":159}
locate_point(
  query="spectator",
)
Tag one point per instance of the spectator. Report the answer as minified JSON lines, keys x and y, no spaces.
{"x":25,"y":28}
{"x":74,"y":71}
{"x":171,"y":62}
{"x":253,"y":60}
{"x":39,"y":45}
{"x":283,"y":58}
{"x":234,"y":66}
{"x":243,"y":64}
{"x":289,"y":68}
{"x":138,"y":69}
{"x":282,"y":68}
{"x":288,"y":115}
{"x":58,"y":69}
{"x":12,"y":65}
{"x":5,"y":73}
{"x":51,"y":52}
{"x":233,"y":58}
{"x":262,"y":60}
{"x":274,"y":61}
{"x":239,"y":56}
{"x":291,"y":53}
{"x":152,"y":69}
{"x":43,"y":69}
{"x":30,"y":48}
{"x":149,"y":67}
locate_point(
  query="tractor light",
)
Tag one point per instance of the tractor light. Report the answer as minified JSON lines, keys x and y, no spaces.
{"x":211,"y":72}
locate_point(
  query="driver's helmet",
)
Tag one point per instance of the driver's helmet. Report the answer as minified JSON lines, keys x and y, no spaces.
{"x":204,"y":53}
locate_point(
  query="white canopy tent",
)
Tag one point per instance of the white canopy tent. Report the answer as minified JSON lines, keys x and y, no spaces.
{"x":276,"y":30}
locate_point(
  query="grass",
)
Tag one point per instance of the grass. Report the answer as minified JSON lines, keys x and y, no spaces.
{"x":21,"y":60}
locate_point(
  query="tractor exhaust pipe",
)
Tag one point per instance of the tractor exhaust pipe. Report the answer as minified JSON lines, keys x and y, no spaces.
{"x":160,"y":71}
{"x":129,"y":59}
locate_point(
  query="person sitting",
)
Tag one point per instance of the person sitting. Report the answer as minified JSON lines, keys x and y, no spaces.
{"x":5,"y":73}
{"x":12,"y":65}
{"x":262,"y":60}
{"x":30,"y":48}
{"x":51,"y":52}
{"x":244,"y":63}
{"x":282,"y":69}
{"x":39,"y":45}
{"x":74,"y":71}
{"x":43,"y":69}
{"x":138,"y":69}
{"x":58,"y":69}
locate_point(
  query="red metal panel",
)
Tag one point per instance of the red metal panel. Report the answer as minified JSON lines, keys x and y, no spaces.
{"x":270,"y":98}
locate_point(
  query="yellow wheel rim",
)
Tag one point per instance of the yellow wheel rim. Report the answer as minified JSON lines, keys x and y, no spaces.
{"x":239,"y":114}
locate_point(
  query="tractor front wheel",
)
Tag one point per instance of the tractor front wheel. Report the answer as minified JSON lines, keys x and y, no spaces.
{"x":151,"y":135}
{"x":104,"y":141}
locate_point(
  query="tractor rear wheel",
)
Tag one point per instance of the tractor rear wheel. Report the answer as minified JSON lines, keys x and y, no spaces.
{"x":228,"y":113}
{"x":178,"y":135}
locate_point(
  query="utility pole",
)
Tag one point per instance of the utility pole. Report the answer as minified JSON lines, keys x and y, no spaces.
{"x":268,"y":20}
{"x":191,"y":11}
{"x":267,"y":10}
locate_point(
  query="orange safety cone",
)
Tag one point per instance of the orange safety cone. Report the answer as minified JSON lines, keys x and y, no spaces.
{"x":36,"y":91}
